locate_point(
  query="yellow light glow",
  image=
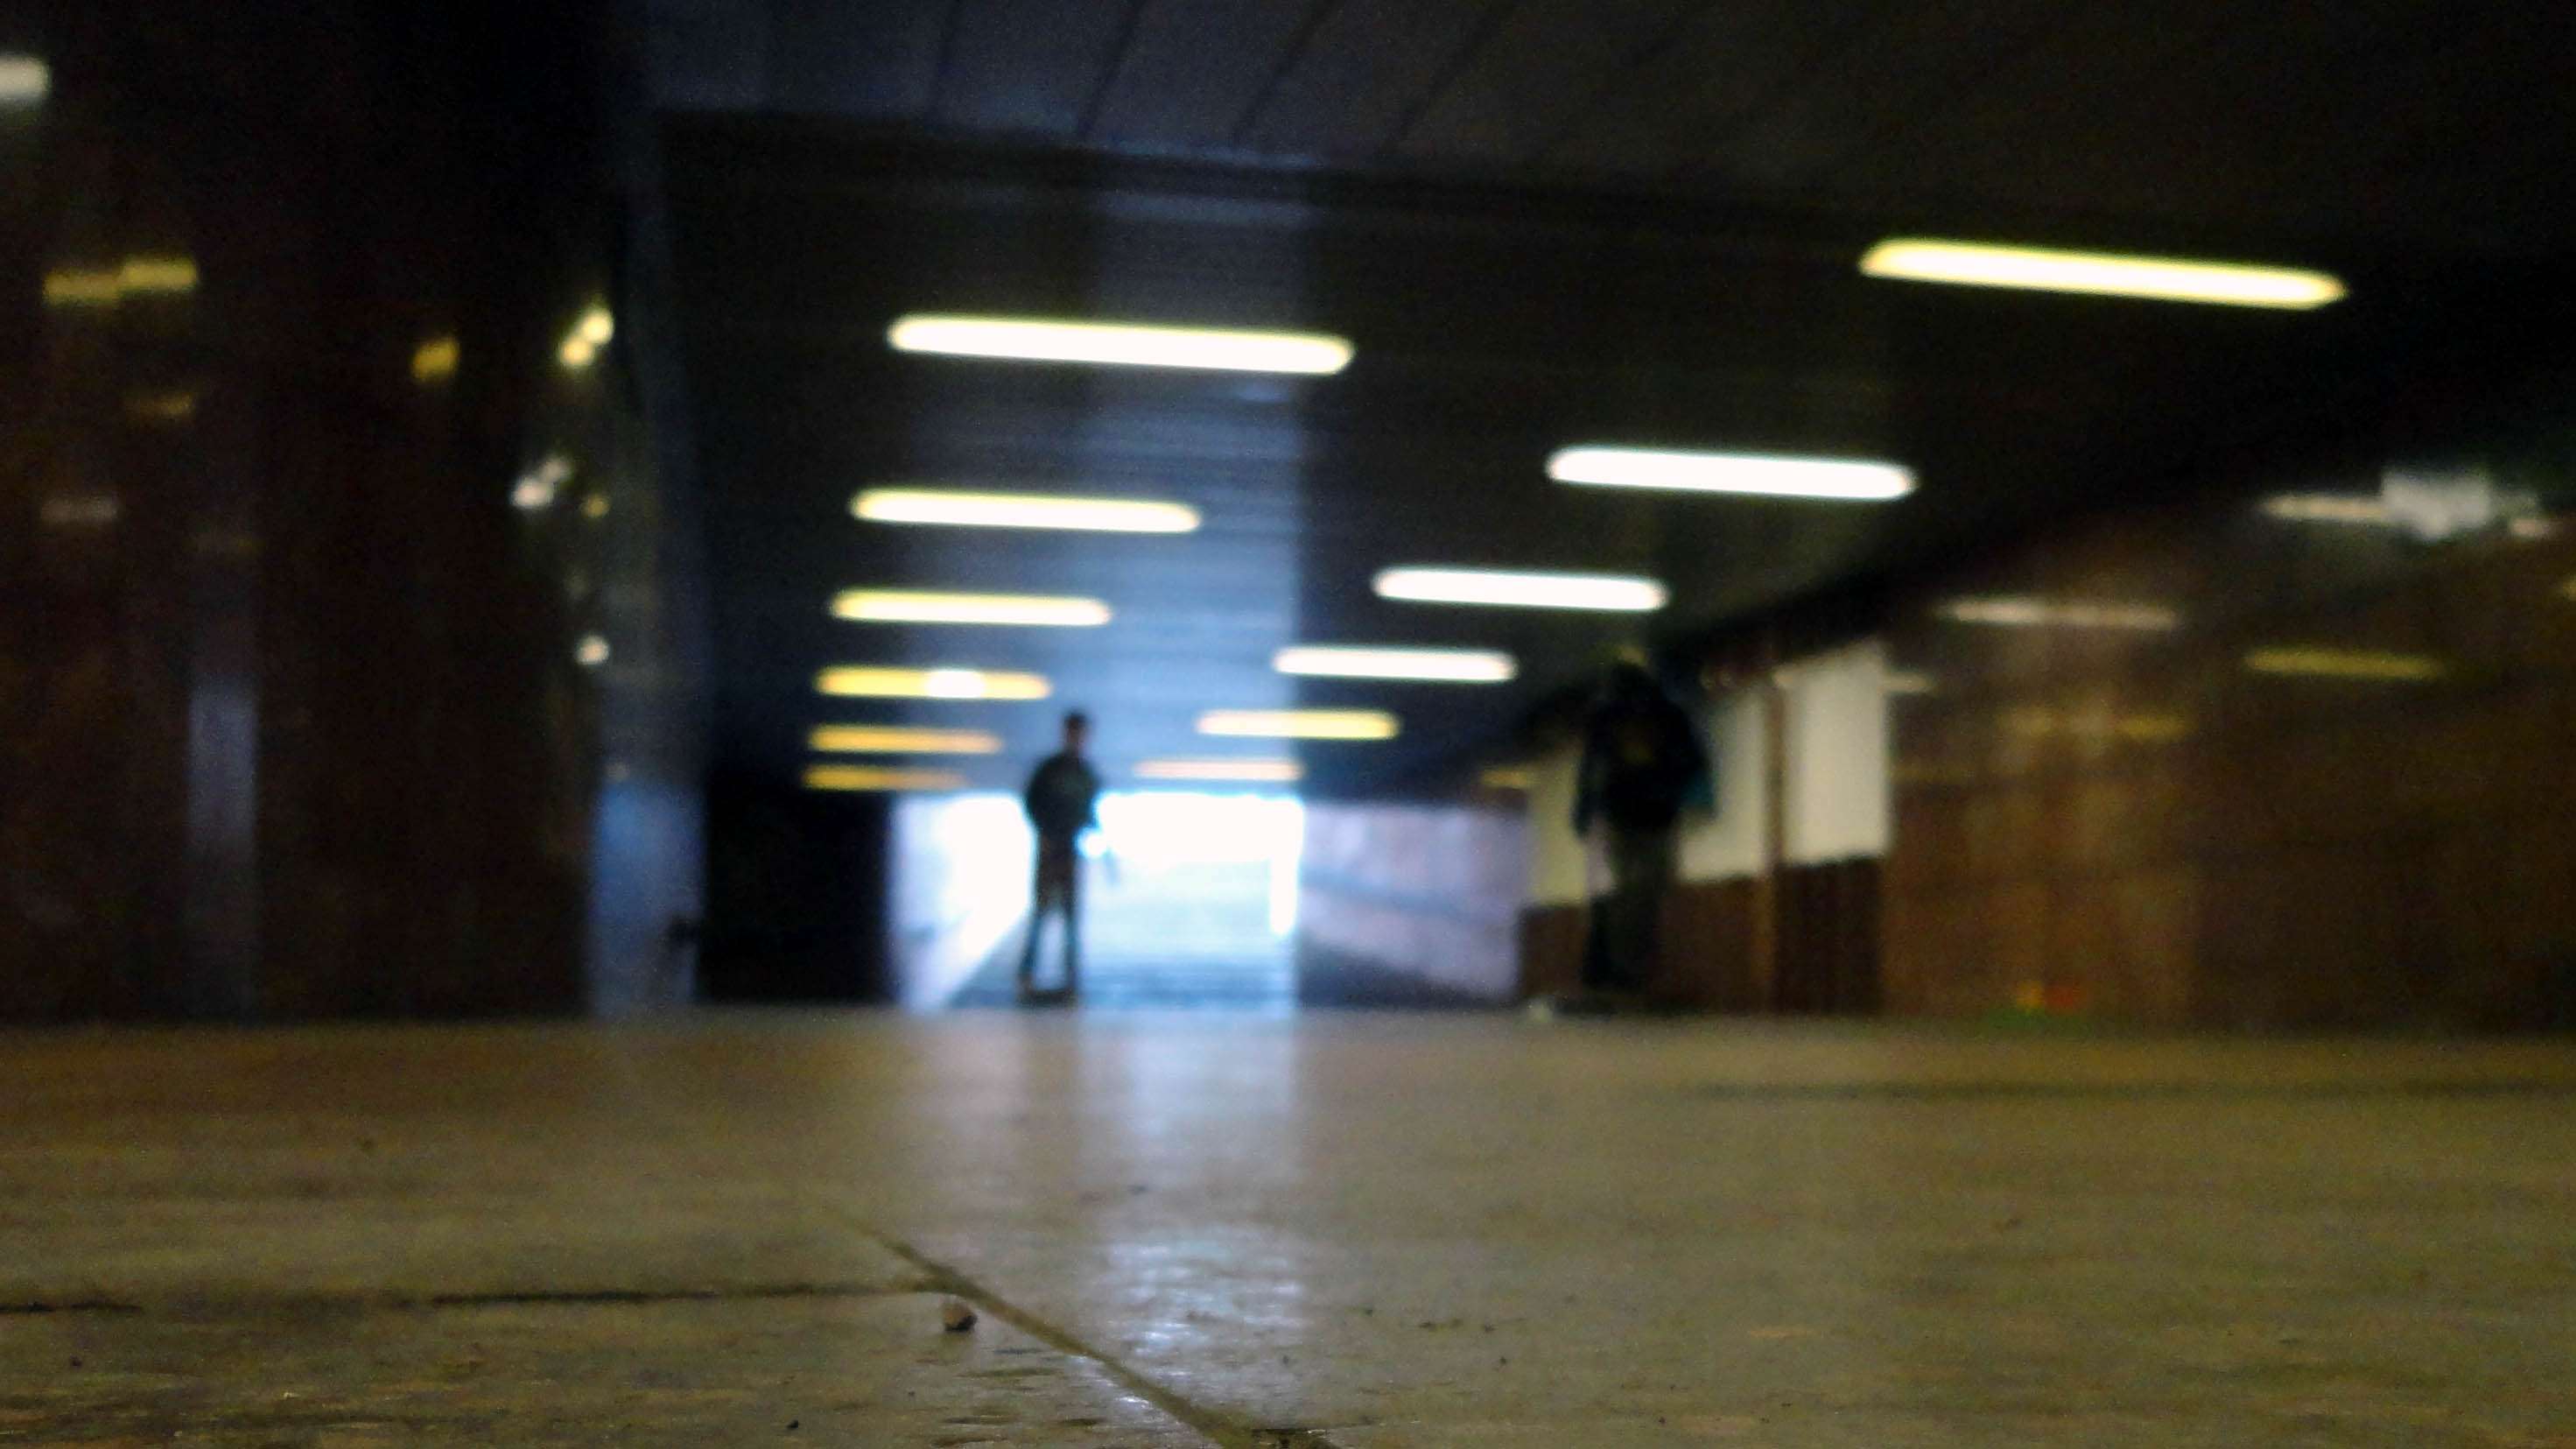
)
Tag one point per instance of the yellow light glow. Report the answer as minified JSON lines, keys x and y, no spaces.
{"x":2328,"y":508}
{"x":1448,"y":666}
{"x":897,"y":740}
{"x":592,"y":651}
{"x":157,"y":276}
{"x":2357,"y":664}
{"x":598,"y":327}
{"x":850,"y":681}
{"x":1118,"y":345}
{"x":2016,"y":612}
{"x":1512,"y":588}
{"x":1519,"y":778}
{"x":2105,"y":274}
{"x":1269,"y":772}
{"x":595,"y":507}
{"x":886,"y":606}
{"x":870,"y":778}
{"x":161,"y":407}
{"x":577,"y":353}
{"x":1909,"y":681}
{"x":1300,"y":724}
{"x":83,"y":287}
{"x":1023,"y":510}
{"x":1762,"y":474}
{"x":24,"y":81}
{"x":435,"y":360}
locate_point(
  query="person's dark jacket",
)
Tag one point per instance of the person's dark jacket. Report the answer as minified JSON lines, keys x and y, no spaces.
{"x":1062,"y":797}
{"x":1642,"y":757}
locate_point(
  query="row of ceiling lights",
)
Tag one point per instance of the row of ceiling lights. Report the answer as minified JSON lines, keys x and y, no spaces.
{"x":1293,"y":353}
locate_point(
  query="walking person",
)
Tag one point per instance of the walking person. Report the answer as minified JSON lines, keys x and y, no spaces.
{"x":1062,"y":800}
{"x":1642,"y":764}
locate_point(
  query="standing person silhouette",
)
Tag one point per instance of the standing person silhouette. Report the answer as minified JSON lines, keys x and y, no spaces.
{"x":1062,"y":800}
{"x":1642,"y":763}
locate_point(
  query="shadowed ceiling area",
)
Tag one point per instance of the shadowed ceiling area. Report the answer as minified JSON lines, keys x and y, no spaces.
{"x":1540,"y":224}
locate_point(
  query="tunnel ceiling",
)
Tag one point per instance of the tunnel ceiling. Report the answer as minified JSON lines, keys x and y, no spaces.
{"x":1540,"y":224}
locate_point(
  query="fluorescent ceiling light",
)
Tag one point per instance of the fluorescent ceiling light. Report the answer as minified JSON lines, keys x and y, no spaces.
{"x":1909,"y":681}
{"x":896,"y":740}
{"x":1611,"y":593}
{"x":434,"y":360}
{"x":2349,"y":508}
{"x":868,"y":777}
{"x":83,"y":287}
{"x":1266,"y":772}
{"x":157,"y":276}
{"x":1022,"y":339}
{"x":598,"y":327}
{"x":2106,"y":274}
{"x":577,"y":352}
{"x":1765,"y":474}
{"x":1520,"y":778}
{"x":888,"y":606}
{"x":1454,"y":666}
{"x":2358,"y":664}
{"x":2014,"y":612}
{"x":24,"y":80}
{"x":1024,"y":510}
{"x":1300,"y":724}
{"x":865,"y":682}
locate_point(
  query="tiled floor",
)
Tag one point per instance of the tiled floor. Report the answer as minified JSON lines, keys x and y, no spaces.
{"x":1338,"y":1229}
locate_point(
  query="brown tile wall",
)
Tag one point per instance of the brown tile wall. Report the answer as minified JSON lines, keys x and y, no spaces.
{"x":2135,"y":824}
{"x":294,"y":724}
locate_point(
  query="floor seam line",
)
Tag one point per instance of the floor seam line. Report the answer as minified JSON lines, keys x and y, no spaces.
{"x":1217,"y":1426}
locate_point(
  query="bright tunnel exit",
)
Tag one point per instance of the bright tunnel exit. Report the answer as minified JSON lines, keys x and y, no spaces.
{"x":1189,"y":901}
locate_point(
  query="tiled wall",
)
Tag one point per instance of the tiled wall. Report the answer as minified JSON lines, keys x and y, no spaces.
{"x":296,"y":725}
{"x":2298,"y":752}
{"x":1430,"y":893}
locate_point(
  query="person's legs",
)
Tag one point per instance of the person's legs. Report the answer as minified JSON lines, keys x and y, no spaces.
{"x":1069,"y":899}
{"x":1641,"y":870}
{"x":1042,"y":899}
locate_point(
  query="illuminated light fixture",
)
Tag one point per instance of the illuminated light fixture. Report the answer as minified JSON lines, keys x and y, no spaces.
{"x":157,"y":276}
{"x":1023,"y":510}
{"x":161,"y":407}
{"x":536,"y":488}
{"x":1763,"y":474}
{"x":83,"y":287}
{"x":2102,"y":274}
{"x":1513,"y":588}
{"x":435,"y":360}
{"x":80,"y":511}
{"x":1110,"y":344}
{"x":851,"y":681}
{"x":24,"y":81}
{"x":595,"y":507}
{"x":896,"y":740}
{"x":1449,"y":666}
{"x":2532,"y":528}
{"x":577,"y":353}
{"x":598,"y":327}
{"x":1299,"y":724}
{"x":2152,"y":729}
{"x":1261,"y":772}
{"x":2329,"y":508}
{"x":2357,"y":664}
{"x":1908,"y":681}
{"x":885,"y":606}
{"x":1519,"y":778}
{"x":2027,"y":613}
{"x":592,"y":651}
{"x":867,"y":777}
